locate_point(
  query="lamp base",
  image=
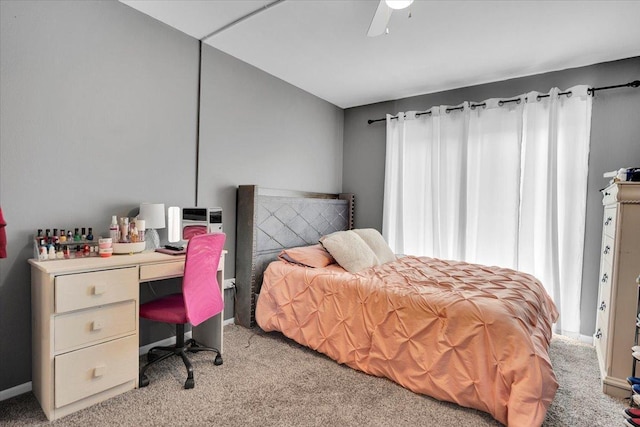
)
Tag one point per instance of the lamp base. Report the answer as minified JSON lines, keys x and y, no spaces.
{"x":152,"y":239}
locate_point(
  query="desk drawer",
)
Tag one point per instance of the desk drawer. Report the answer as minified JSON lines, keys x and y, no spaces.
{"x":84,"y":327}
{"x":85,"y":372}
{"x":161,"y":270}
{"x":83,"y":290}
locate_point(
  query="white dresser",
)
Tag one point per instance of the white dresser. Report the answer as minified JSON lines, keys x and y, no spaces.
{"x":618,"y":292}
{"x":84,"y":315}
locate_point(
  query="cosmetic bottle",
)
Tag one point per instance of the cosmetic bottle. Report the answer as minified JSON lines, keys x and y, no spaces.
{"x":63,"y":236}
{"x":113,"y":229}
{"x":124,"y":230}
{"x":76,"y":235}
{"x":52,"y":252}
{"x":90,"y":235}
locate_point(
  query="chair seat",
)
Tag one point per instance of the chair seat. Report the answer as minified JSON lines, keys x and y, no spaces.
{"x":167,"y":309}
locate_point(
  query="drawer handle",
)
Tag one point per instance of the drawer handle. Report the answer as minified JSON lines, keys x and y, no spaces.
{"x":606,"y":193}
{"x":607,"y":249}
{"x":603,"y":306}
{"x":97,"y":325}
{"x":99,"y":289}
{"x":598,"y":334}
{"x":605,"y":277}
{"x":608,"y":221}
{"x":99,"y":371}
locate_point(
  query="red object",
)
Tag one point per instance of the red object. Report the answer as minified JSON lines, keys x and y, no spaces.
{"x":3,"y":236}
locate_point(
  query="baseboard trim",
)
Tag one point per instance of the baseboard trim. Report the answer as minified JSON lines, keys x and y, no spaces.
{"x":165,"y":342}
{"x":15,"y":391}
{"x":172,"y":340}
{"x":587,"y":339}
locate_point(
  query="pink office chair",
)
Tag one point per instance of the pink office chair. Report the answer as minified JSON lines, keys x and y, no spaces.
{"x":199,"y":300}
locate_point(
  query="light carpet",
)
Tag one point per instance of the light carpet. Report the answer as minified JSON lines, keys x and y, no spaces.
{"x":269,"y":380}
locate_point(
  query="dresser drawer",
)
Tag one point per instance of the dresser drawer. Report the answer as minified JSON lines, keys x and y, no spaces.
{"x":609,"y":220}
{"x":94,"y":325}
{"x":85,"y":372}
{"x":608,"y":246}
{"x":162,"y":270}
{"x":600,"y":341}
{"x":605,"y":275}
{"x":83,"y":290}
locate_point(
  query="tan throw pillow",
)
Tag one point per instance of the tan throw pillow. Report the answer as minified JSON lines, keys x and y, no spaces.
{"x":376,"y":242}
{"x":349,"y":250}
{"x":314,"y":256}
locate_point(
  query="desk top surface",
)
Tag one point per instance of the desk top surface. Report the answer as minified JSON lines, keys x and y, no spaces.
{"x":96,"y":263}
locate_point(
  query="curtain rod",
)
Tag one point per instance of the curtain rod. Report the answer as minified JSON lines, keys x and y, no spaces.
{"x":590,"y":91}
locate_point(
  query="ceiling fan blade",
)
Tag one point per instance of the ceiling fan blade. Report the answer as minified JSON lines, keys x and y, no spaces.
{"x":380,"y":20}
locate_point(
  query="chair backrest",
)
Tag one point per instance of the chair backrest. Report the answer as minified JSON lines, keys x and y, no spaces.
{"x":200,"y":288}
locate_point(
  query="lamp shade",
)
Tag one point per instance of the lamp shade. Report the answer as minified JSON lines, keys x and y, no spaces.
{"x":152,"y":214}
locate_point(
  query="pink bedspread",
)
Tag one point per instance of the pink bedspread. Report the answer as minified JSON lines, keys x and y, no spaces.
{"x":470,"y":334}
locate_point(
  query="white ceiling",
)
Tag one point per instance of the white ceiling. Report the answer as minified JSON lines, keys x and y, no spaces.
{"x":321,"y":46}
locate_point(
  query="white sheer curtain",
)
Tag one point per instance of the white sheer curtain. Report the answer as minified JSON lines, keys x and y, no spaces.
{"x":495,"y":184}
{"x":554,"y":193}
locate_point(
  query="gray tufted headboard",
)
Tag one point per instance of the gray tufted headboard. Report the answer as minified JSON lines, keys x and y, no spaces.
{"x":269,"y":221}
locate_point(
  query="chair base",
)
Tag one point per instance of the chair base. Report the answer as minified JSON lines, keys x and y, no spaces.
{"x":181,"y":348}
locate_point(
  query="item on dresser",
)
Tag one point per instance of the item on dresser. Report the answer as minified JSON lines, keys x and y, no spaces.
{"x":54,"y":245}
{"x":128,"y":248}
{"x":623,"y":174}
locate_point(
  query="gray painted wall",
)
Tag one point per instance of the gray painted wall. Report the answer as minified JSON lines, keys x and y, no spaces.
{"x":99,"y":102}
{"x":615,"y":143}
{"x":257,"y":129}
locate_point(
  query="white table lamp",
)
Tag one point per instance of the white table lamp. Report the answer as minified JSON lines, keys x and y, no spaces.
{"x":153,"y":216}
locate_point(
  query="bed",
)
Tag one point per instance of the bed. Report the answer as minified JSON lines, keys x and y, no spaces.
{"x":470,"y":334}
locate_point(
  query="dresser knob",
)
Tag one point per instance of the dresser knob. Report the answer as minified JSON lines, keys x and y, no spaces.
{"x":598,"y":334}
{"x":605,"y":277}
{"x":603,"y":306}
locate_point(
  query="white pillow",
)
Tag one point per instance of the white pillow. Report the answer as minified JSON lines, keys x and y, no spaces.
{"x":376,"y":242}
{"x":349,"y":250}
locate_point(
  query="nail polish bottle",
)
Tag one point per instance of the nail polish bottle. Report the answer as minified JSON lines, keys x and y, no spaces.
{"x":90,"y":235}
{"x":63,"y":236}
{"x":76,"y":235}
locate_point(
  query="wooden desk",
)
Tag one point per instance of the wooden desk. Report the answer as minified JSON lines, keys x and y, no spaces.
{"x":85,"y":327}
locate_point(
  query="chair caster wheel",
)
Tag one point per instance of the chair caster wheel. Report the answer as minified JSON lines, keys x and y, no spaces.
{"x":189,"y":383}
{"x":143,"y":381}
{"x":218,"y":360}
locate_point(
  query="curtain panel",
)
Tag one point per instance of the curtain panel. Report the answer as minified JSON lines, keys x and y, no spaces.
{"x":497,"y":184}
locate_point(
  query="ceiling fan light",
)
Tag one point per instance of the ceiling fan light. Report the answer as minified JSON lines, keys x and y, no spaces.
{"x":398,"y":4}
